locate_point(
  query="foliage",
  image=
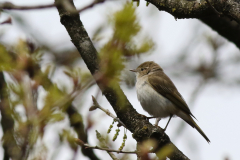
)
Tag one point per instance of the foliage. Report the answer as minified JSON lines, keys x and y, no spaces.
{"x":122,"y":44}
{"x":22,"y":93}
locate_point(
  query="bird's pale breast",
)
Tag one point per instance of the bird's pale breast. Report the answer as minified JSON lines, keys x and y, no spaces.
{"x":151,"y":101}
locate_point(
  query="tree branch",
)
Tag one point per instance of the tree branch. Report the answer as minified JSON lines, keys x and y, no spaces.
{"x":192,"y":9}
{"x":11,"y":6}
{"x":226,"y":25}
{"x":96,"y":105}
{"x":134,"y":122}
{"x":91,"y":5}
{"x":81,"y":143}
{"x":210,"y":5}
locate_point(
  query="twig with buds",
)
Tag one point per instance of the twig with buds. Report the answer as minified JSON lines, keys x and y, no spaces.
{"x":96,"y":105}
{"x":81,"y":143}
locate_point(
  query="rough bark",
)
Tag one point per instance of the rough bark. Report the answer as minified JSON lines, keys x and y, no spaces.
{"x":134,"y":122}
{"x":227,"y":24}
{"x":225,"y":27}
{"x":193,"y":9}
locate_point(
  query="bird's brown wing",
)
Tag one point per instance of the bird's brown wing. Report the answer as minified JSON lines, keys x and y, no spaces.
{"x":164,"y":86}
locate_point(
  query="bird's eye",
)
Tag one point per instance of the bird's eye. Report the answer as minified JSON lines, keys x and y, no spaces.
{"x":142,"y":69}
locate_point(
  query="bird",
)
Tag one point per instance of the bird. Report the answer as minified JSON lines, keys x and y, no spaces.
{"x":160,"y":98}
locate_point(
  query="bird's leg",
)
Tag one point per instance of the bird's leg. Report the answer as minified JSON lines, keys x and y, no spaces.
{"x":157,"y":121}
{"x":168,"y":122}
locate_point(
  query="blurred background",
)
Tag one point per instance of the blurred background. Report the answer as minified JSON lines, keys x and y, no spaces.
{"x":43,"y":61}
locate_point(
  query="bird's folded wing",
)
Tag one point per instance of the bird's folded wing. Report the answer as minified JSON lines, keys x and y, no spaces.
{"x":169,"y":91}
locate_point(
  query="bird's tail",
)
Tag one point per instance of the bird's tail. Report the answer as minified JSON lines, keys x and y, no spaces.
{"x":192,"y":123}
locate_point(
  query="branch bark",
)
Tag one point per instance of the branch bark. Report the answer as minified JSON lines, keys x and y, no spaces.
{"x":193,"y":9}
{"x":225,"y":27}
{"x":134,"y":122}
{"x":228,"y":25}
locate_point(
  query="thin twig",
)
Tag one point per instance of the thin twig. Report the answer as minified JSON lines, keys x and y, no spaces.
{"x":76,"y":92}
{"x":81,"y":143}
{"x":11,"y":6}
{"x":90,"y":5}
{"x":96,"y":105}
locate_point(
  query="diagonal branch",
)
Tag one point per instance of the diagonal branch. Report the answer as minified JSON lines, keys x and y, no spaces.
{"x":226,"y":25}
{"x":193,"y":9}
{"x":134,"y":122}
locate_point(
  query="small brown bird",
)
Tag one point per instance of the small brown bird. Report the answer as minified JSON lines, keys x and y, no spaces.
{"x":159,"y":96}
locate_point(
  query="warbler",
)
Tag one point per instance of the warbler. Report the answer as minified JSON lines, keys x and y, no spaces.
{"x":159,"y":96}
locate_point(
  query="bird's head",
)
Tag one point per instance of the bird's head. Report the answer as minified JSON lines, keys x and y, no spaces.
{"x":146,"y":68}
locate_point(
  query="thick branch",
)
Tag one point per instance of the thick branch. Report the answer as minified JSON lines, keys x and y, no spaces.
{"x":225,"y":27}
{"x":193,"y":9}
{"x":134,"y":122}
{"x":228,"y":25}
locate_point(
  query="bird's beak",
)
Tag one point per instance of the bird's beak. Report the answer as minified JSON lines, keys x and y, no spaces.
{"x":133,"y":70}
